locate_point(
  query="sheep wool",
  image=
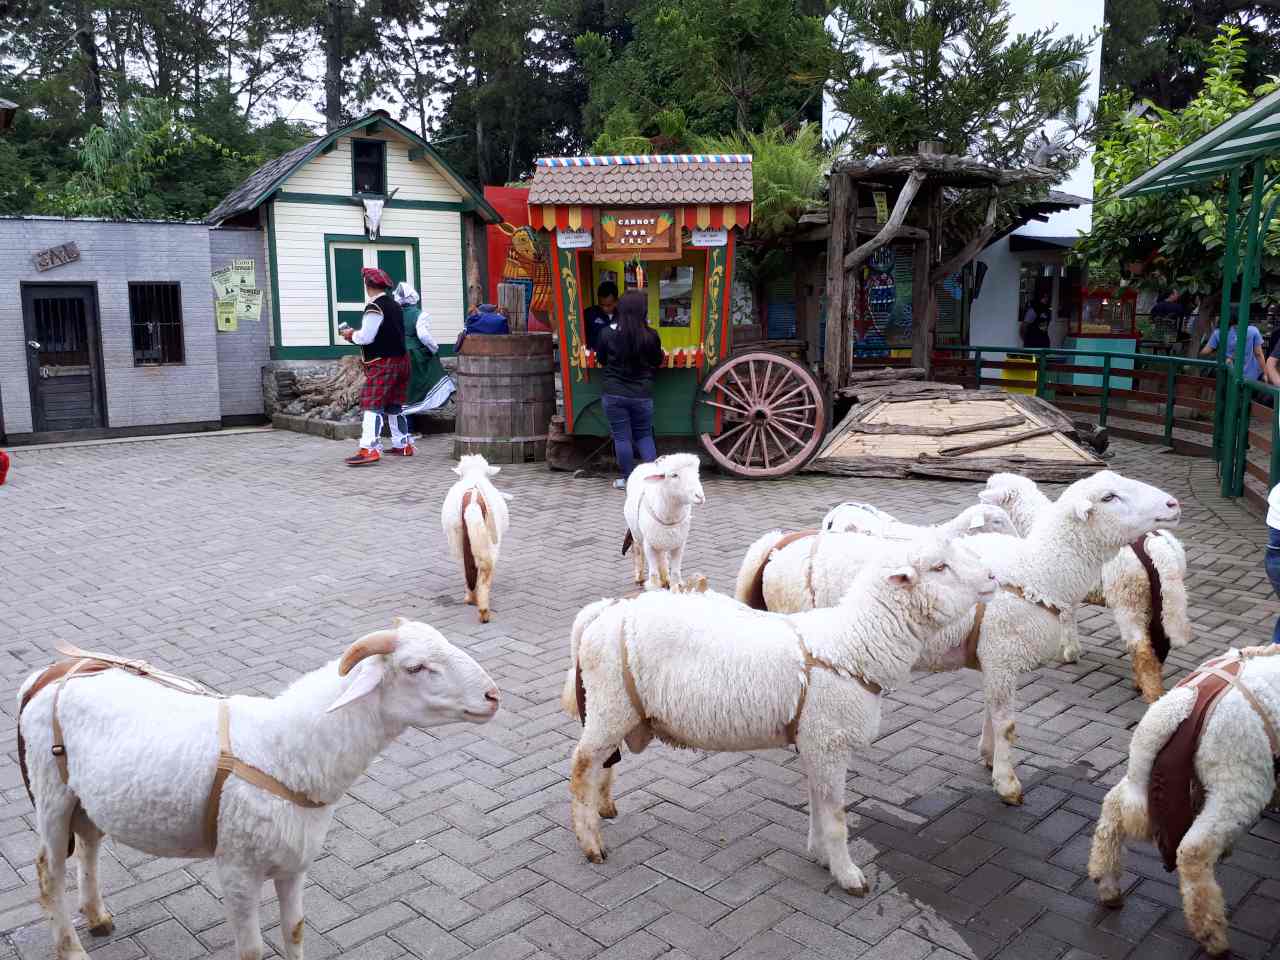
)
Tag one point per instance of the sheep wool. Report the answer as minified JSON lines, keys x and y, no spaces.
{"x":1124,"y":587}
{"x":852,"y":517}
{"x":474,"y":519}
{"x":1043,"y":576}
{"x":141,"y":759}
{"x":1234,"y":764}
{"x":704,"y":671}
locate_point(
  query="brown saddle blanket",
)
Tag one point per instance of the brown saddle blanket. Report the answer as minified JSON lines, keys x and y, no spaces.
{"x":755,"y":595}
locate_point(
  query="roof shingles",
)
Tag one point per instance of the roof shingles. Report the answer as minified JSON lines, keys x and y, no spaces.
{"x":688,"y":183}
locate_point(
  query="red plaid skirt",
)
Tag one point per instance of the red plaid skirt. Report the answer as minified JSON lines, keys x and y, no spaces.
{"x":386,"y":383}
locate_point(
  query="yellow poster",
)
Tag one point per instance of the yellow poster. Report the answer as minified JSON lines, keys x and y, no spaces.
{"x":224,"y":284}
{"x":882,"y":205}
{"x":225,"y":316}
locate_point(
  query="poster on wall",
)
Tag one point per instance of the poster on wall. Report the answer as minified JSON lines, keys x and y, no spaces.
{"x":224,"y":284}
{"x":242,"y":271}
{"x":224,"y":314}
{"x":249,"y":304}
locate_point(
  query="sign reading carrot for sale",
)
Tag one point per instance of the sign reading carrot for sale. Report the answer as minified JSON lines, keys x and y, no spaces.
{"x":646,"y":234}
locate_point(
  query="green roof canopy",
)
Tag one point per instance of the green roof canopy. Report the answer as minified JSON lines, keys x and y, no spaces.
{"x":1250,"y":134}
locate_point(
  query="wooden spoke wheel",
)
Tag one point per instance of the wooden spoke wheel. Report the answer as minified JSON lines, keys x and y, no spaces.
{"x":768,"y":412}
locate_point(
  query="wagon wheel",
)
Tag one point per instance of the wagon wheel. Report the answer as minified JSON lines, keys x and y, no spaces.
{"x":770,"y":413}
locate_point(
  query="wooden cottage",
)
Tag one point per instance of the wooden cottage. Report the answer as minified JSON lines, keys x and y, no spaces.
{"x":372,"y":193}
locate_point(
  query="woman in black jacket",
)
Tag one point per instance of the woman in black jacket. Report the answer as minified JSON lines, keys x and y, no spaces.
{"x":629,"y":351}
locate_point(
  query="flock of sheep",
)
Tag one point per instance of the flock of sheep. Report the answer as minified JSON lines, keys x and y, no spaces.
{"x":821,"y":623}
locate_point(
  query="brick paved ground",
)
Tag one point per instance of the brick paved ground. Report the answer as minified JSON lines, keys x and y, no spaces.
{"x":244,"y":559}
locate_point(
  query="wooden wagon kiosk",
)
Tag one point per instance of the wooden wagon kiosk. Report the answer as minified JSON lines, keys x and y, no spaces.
{"x":668,"y":225}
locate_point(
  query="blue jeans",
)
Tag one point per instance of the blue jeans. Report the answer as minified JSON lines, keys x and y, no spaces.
{"x":631,"y":423}
{"x":1273,"y":572}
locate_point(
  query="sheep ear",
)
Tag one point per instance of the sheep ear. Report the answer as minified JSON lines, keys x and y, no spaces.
{"x":655,"y":478}
{"x":903,"y":577}
{"x":398,"y":622}
{"x":457,"y":468}
{"x":996,"y":497}
{"x":977,"y":522}
{"x":1081,"y":508}
{"x":492,"y":471}
{"x":367,"y":678}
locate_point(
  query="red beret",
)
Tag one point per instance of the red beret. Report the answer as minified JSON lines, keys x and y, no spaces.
{"x":374,"y":277}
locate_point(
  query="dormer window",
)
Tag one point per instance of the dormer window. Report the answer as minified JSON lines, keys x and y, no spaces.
{"x":369,"y":167}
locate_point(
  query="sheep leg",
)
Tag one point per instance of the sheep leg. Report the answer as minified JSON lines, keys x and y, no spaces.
{"x":484,"y":583}
{"x":657,"y":564}
{"x":826,"y":788}
{"x":88,"y":844}
{"x":815,"y":847}
{"x":999,"y":696}
{"x":586,"y":770}
{"x":1223,"y":818}
{"x":985,"y":747}
{"x":604,"y":795}
{"x":241,"y":898}
{"x":637,"y":558}
{"x":51,"y":873}
{"x":674,"y":559}
{"x":1106,"y":856}
{"x":1070,"y":637}
{"x":289,"y":893}
{"x":1147,"y":669}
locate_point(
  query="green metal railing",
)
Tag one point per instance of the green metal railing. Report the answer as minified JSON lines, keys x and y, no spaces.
{"x":1232,"y":406}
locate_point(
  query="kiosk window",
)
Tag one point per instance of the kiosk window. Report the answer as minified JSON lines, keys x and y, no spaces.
{"x":675,"y":297}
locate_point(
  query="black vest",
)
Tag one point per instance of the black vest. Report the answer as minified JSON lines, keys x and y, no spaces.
{"x":389,"y":340}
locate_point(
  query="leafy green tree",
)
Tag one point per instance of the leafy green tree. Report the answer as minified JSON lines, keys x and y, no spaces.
{"x":1178,"y":235}
{"x":726,"y":64}
{"x":1159,"y":50}
{"x":952,"y":70}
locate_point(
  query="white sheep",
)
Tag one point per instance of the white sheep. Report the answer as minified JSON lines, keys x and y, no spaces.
{"x":854,"y":517}
{"x":658,"y":510}
{"x":141,"y":759}
{"x":474,"y":519}
{"x":1043,"y":576}
{"x":1125,"y":586}
{"x":1233,"y":763}
{"x":705,"y":672}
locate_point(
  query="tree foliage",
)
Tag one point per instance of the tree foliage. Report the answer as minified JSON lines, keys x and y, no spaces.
{"x":1180,"y":234}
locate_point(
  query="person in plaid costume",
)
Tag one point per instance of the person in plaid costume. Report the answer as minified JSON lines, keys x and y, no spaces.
{"x":386,"y":371}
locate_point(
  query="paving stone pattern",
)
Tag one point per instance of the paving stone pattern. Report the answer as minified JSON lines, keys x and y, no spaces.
{"x":245,"y":559}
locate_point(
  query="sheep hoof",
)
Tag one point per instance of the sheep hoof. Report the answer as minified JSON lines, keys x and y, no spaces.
{"x":608,"y":810}
{"x":484,"y":616}
{"x":598,"y":855}
{"x":1013,"y":799}
{"x":104,"y":927}
{"x":469,"y":599}
{"x":854,"y":886}
{"x":1111,"y":899}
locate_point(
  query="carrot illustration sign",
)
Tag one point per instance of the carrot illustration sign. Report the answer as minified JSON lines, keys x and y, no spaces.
{"x":625,"y":233}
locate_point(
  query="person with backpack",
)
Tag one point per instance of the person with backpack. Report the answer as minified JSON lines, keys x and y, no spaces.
{"x":630,"y":352}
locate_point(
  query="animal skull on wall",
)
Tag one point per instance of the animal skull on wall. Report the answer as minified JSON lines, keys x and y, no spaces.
{"x":373,"y":213}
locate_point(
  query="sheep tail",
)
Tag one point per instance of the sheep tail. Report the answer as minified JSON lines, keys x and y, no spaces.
{"x":627,"y":541}
{"x":477,"y":546}
{"x":569,"y":695}
{"x":1170,"y":561}
{"x":749,"y":588}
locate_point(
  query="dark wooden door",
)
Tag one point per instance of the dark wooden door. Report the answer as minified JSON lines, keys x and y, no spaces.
{"x":63,"y":363}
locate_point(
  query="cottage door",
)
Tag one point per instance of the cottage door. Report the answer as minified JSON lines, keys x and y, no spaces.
{"x":60,"y":325}
{"x":346,"y":259}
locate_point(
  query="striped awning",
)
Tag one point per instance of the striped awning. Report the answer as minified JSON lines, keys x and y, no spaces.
{"x":703,"y":216}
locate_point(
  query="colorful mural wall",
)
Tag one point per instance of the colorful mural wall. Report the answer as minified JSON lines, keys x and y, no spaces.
{"x":518,"y":254}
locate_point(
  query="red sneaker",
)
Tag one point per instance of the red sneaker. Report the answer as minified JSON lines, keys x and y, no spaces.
{"x":405,"y":451}
{"x":4,"y":466}
{"x":363,"y":457}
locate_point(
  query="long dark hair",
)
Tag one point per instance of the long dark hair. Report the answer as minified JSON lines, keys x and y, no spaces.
{"x":634,"y":333}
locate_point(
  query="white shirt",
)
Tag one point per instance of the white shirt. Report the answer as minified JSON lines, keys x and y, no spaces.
{"x":423,"y":329}
{"x":1273,"y":507}
{"x":368,"y":328}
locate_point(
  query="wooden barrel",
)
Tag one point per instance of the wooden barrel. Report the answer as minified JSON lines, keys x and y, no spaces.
{"x":506,"y":397}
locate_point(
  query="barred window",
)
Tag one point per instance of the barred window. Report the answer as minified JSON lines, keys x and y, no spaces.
{"x":155,"y":314}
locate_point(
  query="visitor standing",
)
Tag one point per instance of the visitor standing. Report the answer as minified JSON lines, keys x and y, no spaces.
{"x":386,"y":370}
{"x":630,"y":352}
{"x":599,"y":316}
{"x":1254,"y":361}
{"x":1035,"y":325}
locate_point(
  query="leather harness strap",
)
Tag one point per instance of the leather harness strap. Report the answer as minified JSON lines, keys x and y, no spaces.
{"x":1159,"y":639}
{"x":971,"y":659}
{"x":1021,"y":594}
{"x":91,"y":664}
{"x":755,"y":594}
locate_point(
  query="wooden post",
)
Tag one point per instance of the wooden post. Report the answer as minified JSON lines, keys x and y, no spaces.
{"x":473,"y":237}
{"x":923,"y":292}
{"x":833,"y":362}
{"x":511,"y":296}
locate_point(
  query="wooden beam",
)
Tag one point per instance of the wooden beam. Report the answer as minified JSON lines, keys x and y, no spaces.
{"x":890,"y":229}
{"x":972,"y":248}
{"x":911,"y":233}
{"x":833,"y":362}
{"x":997,"y":442}
{"x":931,"y":431}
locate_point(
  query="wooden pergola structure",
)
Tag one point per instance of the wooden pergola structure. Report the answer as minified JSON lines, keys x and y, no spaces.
{"x":921,"y":185}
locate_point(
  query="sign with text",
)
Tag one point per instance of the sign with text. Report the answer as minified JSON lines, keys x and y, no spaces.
{"x":709,"y":238}
{"x":574,"y":239}
{"x":646,"y":234}
{"x":881,"y":200}
{"x":57,"y":256}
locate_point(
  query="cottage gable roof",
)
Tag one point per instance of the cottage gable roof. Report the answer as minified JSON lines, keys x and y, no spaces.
{"x":645,"y":180}
{"x":268,"y":178}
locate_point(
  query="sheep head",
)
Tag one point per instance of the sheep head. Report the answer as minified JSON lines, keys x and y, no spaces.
{"x":937,"y":578}
{"x":676,"y":477}
{"x":1017,"y":495}
{"x":982,"y":518}
{"x":1116,"y":509}
{"x":424,"y":680}
{"x":474,"y":463}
